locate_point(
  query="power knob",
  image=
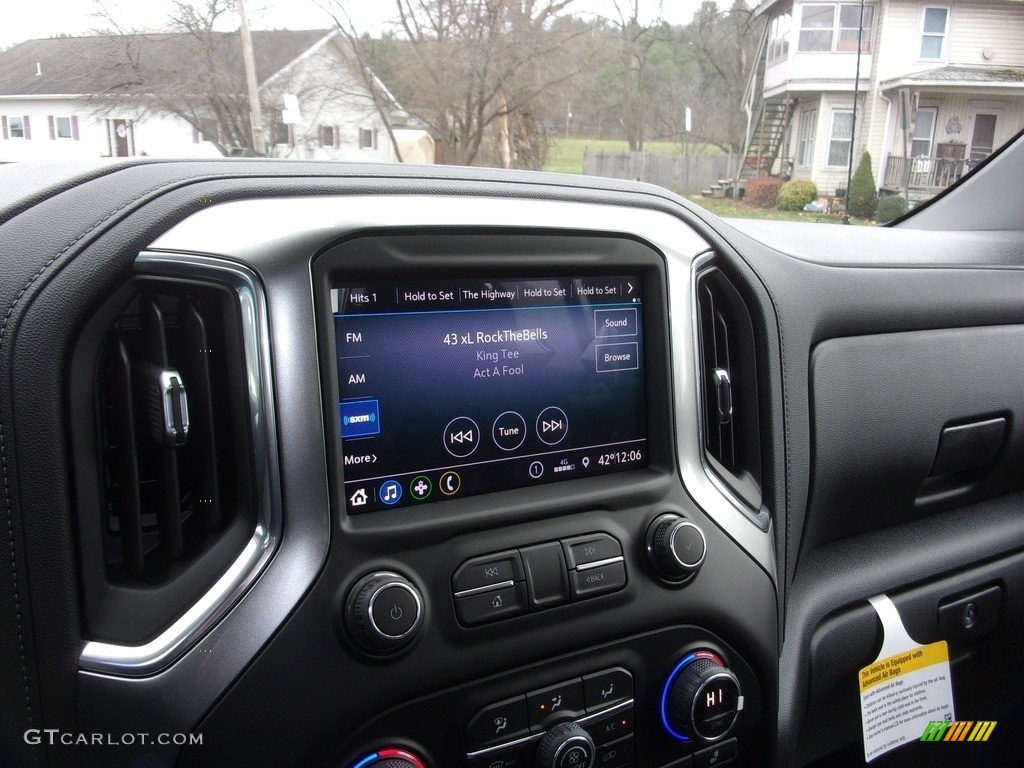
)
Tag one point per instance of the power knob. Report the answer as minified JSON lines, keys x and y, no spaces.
{"x":676,"y":547}
{"x":701,"y":699}
{"x":384,"y":612}
{"x":566,"y":746}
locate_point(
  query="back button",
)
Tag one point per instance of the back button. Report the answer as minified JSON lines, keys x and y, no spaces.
{"x":461,"y":437}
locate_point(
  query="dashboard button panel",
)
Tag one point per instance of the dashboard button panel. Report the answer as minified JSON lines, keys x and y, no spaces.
{"x":536,"y":577}
{"x":603,"y":689}
{"x":495,"y":736}
{"x":499,"y":723}
{"x":585,"y":550}
{"x":545,"y":575}
{"x":561,"y":700}
{"x":720,"y":754}
{"x":493,"y":604}
{"x":598,"y":580}
{"x":490,"y":571}
{"x":616,"y":754}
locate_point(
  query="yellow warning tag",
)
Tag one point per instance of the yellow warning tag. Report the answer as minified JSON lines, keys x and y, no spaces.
{"x":907,"y":687}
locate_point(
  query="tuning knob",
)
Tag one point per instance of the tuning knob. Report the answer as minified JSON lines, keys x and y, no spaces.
{"x":676,"y":547}
{"x":702,"y":698}
{"x":384,"y":612}
{"x":566,"y":746}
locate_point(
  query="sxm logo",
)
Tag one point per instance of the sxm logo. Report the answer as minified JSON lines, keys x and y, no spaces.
{"x":958,"y":730}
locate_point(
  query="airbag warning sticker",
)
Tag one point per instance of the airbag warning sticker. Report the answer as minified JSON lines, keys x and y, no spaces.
{"x":902,"y":693}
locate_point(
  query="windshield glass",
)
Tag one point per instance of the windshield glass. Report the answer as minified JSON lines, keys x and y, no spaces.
{"x":810,"y":111}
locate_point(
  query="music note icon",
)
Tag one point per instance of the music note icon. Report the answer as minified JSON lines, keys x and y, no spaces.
{"x":390,"y":492}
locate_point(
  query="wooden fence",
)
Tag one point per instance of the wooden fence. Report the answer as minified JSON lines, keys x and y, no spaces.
{"x":684,"y":174}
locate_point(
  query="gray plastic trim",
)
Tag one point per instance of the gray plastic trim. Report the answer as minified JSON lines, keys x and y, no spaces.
{"x":141,"y":660}
{"x":249,"y":229}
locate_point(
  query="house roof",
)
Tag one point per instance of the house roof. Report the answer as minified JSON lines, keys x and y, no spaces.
{"x":99,"y":63}
{"x":959,"y":75}
{"x":763,"y":7}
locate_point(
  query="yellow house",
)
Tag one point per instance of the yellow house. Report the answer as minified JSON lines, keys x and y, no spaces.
{"x":940,"y":85}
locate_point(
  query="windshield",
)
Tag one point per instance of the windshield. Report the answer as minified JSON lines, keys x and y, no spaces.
{"x":811,"y":111}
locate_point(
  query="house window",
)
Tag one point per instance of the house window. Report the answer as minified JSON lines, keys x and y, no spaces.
{"x":62,"y":127}
{"x":16,"y":127}
{"x":778,"y":36}
{"x":326,"y":135}
{"x":934,"y":28}
{"x":367,"y":138}
{"x":805,"y":141}
{"x":840,"y":138}
{"x":924,"y":130}
{"x":833,"y":27}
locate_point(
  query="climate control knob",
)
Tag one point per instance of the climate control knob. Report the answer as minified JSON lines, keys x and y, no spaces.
{"x":384,"y":611}
{"x":676,"y":547}
{"x":390,"y":758}
{"x":566,"y":746}
{"x":701,"y":699}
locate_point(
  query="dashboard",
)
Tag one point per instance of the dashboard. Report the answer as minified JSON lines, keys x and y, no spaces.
{"x":315,"y":464}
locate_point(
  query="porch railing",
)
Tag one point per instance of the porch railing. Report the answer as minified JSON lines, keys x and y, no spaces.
{"x":921,"y":172}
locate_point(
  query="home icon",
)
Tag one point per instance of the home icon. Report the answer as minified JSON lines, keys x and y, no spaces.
{"x":358,"y":498}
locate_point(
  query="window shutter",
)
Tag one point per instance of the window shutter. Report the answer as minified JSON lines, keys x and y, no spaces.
{"x":337,"y":137}
{"x":4,"y":121}
{"x":28,"y":132}
{"x":320,"y":134}
{"x":49,"y":120}
{"x":195,"y":135}
{"x":74,"y":127}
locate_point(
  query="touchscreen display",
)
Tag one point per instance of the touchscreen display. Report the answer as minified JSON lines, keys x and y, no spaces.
{"x":456,"y":388}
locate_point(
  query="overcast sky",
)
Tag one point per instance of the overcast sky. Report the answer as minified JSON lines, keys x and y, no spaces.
{"x":26,"y":21}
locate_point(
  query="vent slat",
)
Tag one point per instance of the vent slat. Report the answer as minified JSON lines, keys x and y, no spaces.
{"x":126,"y":469}
{"x":172,"y":541}
{"x":197,"y":352}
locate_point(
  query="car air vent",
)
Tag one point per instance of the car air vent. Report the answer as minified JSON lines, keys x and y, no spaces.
{"x":163,"y":454}
{"x":728,"y":381}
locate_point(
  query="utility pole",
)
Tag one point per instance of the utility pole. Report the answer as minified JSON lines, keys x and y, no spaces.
{"x":255,"y":118}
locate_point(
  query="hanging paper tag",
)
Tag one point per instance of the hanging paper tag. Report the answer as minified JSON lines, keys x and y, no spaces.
{"x":904,"y":689}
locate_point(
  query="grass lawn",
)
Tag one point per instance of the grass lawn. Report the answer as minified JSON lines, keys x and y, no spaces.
{"x":566,"y":155}
{"x":728,"y":209}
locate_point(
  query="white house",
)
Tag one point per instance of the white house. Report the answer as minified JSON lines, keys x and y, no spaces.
{"x":82,"y":97}
{"x":941,"y":84}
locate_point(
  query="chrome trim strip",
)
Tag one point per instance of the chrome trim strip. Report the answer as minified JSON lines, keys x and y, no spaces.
{"x":760,"y":519}
{"x":599,"y":563}
{"x":583,"y":721}
{"x":485,"y":588}
{"x":169,"y":646}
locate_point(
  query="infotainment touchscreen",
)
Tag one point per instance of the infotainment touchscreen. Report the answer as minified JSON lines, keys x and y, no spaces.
{"x":461,"y":387}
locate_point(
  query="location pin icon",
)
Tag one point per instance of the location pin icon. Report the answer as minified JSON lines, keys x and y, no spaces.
{"x":586,"y":462}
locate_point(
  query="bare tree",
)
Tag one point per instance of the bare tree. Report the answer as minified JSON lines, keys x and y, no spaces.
{"x":725,"y":43}
{"x":636,"y":41}
{"x":354,"y":46}
{"x":193,"y":72}
{"x":469,"y":65}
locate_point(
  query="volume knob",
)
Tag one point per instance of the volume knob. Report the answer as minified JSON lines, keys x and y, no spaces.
{"x":676,"y":547}
{"x":384,"y":611}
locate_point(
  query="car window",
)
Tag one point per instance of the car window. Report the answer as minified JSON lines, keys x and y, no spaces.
{"x":774,"y":111}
